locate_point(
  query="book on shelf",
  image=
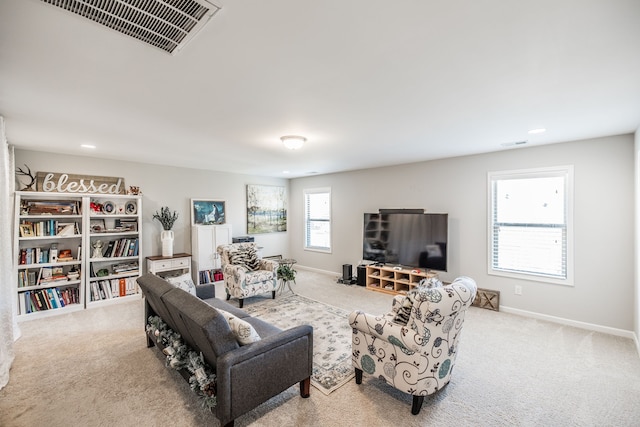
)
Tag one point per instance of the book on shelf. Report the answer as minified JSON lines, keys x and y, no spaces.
{"x":67,"y":229}
{"x":52,"y":207}
{"x":65,"y":255}
{"x":48,"y":299}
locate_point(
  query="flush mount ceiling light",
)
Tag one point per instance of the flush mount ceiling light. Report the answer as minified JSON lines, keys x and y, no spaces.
{"x":293,"y":142}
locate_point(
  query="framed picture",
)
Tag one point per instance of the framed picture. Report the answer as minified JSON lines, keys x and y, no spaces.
{"x":97,"y":226}
{"x":266,"y":209}
{"x":26,"y":230}
{"x":207,"y":212}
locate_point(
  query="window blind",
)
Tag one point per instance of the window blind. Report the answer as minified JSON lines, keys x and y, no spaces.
{"x":318,"y":219}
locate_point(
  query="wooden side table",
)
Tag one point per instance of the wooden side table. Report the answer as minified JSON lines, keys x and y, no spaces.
{"x":173,"y":265}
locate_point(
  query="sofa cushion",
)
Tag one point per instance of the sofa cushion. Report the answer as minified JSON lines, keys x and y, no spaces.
{"x":154,"y":288}
{"x":223,"y":305}
{"x":200,"y":325}
{"x":264,"y":329}
{"x":184,"y":282}
{"x":243,"y":331}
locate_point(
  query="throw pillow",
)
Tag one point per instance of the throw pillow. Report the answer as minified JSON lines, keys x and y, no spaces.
{"x":245,"y":257}
{"x":431,"y":282}
{"x":243,"y":331}
{"x":402,"y":316}
{"x":183,"y":282}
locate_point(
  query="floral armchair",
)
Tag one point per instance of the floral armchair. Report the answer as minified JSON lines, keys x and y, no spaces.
{"x":246,"y":275}
{"x":413,"y":347}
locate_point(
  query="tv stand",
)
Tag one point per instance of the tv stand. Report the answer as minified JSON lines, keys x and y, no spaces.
{"x":391,"y":280}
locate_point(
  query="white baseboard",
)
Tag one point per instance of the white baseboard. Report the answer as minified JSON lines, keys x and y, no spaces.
{"x":317,"y":270}
{"x":577,"y":324}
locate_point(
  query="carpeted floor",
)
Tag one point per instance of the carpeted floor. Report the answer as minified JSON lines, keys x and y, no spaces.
{"x":92,"y":368}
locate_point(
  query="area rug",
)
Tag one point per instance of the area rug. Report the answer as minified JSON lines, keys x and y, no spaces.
{"x":331,"y":335}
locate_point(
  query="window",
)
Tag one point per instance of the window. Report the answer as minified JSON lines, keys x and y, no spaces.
{"x":530,"y":224}
{"x":317,"y":219}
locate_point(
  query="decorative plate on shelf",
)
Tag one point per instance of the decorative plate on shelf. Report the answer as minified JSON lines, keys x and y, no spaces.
{"x":109,"y":207}
{"x":131,"y":208}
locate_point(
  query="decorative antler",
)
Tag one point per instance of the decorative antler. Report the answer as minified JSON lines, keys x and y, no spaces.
{"x":28,"y":187}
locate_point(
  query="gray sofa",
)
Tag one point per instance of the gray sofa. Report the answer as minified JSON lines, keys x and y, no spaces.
{"x":246,"y":375}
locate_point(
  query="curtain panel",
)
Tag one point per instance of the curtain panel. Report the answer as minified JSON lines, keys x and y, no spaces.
{"x":8,"y":287}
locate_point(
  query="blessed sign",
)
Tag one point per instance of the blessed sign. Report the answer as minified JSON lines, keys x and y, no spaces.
{"x":51,"y":182}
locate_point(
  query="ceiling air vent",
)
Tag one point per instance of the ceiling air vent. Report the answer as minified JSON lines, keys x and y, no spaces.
{"x":165,"y":24}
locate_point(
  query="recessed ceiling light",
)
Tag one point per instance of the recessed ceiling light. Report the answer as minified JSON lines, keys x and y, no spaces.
{"x":511,"y":144}
{"x":88,"y":146}
{"x":285,"y":171}
{"x":535,"y":131}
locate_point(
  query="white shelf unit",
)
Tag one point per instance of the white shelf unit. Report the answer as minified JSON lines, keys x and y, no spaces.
{"x":111,"y":278}
{"x":48,"y":227}
{"x":205,"y":240}
{"x":63,"y":222}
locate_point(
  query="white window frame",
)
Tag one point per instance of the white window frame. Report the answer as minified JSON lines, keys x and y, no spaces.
{"x":306,"y":221}
{"x":559,"y":171}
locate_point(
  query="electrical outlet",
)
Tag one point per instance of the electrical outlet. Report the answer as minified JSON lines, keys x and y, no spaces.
{"x":518,"y":290}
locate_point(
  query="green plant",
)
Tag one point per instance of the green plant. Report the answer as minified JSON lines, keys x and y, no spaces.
{"x":166,"y":217}
{"x":286,"y":272}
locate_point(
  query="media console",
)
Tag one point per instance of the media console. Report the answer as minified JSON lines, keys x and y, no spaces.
{"x":395,"y":280}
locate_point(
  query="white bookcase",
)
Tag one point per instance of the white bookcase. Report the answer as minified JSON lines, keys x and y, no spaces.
{"x":47,"y":226}
{"x":205,"y":240}
{"x":113,"y":268}
{"x":54,"y":234}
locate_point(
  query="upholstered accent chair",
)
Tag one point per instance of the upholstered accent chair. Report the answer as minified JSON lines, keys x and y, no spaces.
{"x":415,"y":357}
{"x":245,"y":274}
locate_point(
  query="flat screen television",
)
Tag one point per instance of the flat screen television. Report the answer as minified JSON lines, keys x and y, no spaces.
{"x":417,"y":240}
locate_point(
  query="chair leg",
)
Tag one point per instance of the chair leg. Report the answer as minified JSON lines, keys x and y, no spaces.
{"x":358,"y":376}
{"x":273,"y":293}
{"x":417,"y":404}
{"x":240,"y":302}
{"x":305,"y":387}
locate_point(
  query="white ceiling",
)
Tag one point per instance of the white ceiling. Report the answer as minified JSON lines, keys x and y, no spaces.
{"x":369,"y":83}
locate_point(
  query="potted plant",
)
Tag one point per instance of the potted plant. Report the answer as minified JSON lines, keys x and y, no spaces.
{"x":286,"y":273}
{"x":167,"y":219}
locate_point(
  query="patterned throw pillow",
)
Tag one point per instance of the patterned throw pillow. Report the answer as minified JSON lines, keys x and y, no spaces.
{"x":402,"y":316}
{"x":404,"y":312}
{"x":246,"y":257}
{"x":183,"y":282}
{"x":431,"y":282}
{"x":243,"y":331}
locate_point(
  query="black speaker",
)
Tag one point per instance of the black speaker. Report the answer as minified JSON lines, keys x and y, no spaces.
{"x":346,"y":272}
{"x":362,"y":275}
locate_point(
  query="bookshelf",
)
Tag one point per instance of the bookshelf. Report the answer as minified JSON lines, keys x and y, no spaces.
{"x":48,"y":248}
{"x":54,"y":234}
{"x":114,"y":256}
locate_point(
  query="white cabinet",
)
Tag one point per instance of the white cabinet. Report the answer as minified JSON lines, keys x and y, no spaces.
{"x":205,"y":239}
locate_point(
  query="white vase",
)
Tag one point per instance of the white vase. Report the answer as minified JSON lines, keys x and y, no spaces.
{"x":167,"y":242}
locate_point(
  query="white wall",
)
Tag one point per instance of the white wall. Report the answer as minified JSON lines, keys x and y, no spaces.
{"x":604,"y":220}
{"x":636,"y":325}
{"x":168,"y":186}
